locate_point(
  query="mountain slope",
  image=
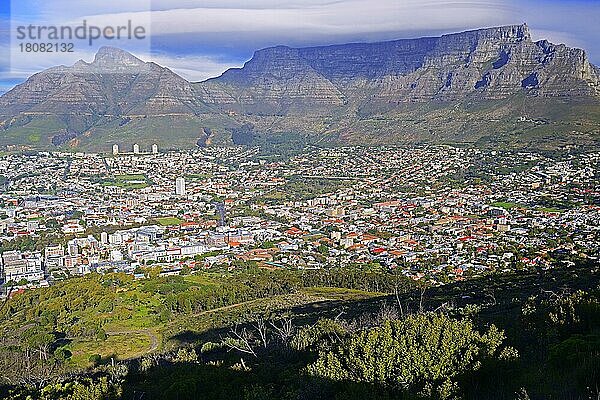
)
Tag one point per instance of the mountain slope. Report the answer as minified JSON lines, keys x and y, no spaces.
{"x":115,"y":83}
{"x":492,"y":86}
{"x":113,"y":90}
{"x":491,"y":83}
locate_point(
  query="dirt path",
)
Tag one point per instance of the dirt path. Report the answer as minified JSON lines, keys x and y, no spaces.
{"x":225,"y":308}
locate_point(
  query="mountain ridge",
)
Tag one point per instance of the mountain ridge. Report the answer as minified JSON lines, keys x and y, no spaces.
{"x":397,"y":61}
{"x":434,"y":89}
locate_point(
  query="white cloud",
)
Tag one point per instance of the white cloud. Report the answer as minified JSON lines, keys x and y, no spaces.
{"x":557,"y":37}
{"x":321,"y":18}
{"x":193,"y":68}
{"x":288,"y":18}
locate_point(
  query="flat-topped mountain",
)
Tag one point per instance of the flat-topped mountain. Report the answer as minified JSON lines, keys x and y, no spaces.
{"x":490,"y":85}
{"x":490,"y":63}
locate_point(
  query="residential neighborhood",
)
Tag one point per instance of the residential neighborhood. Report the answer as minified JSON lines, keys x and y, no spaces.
{"x":437,"y":213}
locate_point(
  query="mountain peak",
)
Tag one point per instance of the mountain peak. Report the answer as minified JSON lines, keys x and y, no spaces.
{"x":113,"y":56}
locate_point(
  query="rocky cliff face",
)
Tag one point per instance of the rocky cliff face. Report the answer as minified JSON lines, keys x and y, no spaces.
{"x":492,"y":63}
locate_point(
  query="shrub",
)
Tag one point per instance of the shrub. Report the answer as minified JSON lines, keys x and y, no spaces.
{"x":422,"y":353}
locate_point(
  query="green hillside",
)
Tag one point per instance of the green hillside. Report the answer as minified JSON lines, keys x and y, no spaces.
{"x":282,"y":334}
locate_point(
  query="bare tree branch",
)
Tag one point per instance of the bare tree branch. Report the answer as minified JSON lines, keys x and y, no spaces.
{"x":261,"y":327}
{"x":240,"y":341}
{"x":285,"y":331}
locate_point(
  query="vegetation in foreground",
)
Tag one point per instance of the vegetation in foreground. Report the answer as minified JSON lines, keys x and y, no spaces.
{"x":288,"y":336}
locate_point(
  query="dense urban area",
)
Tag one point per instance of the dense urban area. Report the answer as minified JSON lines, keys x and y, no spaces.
{"x":436,"y":213}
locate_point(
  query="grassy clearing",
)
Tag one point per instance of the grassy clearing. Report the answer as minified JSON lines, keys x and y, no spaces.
{"x":204,"y":279}
{"x":189,"y":328}
{"x":129,"y":182}
{"x":121,"y":346}
{"x":550,"y":210}
{"x":194,"y":328}
{"x":169,"y":221}
{"x":135,"y":177}
{"x":506,"y":205}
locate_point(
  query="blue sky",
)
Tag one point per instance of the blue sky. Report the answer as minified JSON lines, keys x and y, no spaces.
{"x":201,"y":38}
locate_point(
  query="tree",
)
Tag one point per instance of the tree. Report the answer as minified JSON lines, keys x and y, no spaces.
{"x":38,"y":339}
{"x":241,"y":340}
{"x":62,"y":354}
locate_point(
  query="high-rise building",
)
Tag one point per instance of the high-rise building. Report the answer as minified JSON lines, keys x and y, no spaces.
{"x":115,"y":149}
{"x":136,"y":148}
{"x":154,"y":148}
{"x":180,"y":186}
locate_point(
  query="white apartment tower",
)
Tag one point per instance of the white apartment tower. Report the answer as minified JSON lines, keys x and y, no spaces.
{"x":136,"y":149}
{"x":154,"y":148}
{"x":115,"y":149}
{"x":180,"y":186}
